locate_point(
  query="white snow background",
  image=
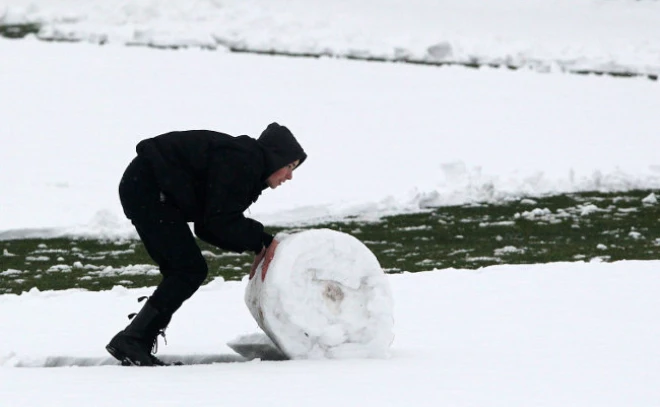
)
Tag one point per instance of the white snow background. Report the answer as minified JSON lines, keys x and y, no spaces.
{"x":576,"y":35}
{"x":381,"y":138}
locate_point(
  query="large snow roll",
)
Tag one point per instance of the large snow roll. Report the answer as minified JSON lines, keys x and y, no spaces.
{"x":324,"y":295}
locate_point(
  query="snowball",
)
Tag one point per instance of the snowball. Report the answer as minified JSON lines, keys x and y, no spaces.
{"x":324,"y":295}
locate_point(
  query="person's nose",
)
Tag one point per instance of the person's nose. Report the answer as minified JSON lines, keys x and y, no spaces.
{"x":289,"y":175}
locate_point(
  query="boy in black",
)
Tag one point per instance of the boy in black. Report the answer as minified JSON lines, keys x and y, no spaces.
{"x":209,"y":179}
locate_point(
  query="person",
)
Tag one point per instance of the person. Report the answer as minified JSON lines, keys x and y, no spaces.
{"x":209,"y":179}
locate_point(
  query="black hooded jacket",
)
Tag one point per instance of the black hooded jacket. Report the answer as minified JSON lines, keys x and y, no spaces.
{"x":214,"y":177}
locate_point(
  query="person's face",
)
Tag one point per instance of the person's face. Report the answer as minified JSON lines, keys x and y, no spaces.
{"x":282,"y":175}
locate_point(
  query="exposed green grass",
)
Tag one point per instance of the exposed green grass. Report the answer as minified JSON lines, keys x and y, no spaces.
{"x":18,"y":30}
{"x":95,"y":264}
{"x":587,"y":226}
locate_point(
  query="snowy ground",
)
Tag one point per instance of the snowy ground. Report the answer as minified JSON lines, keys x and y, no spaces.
{"x":597,"y":35}
{"x":382,"y":138}
{"x":543,"y":335}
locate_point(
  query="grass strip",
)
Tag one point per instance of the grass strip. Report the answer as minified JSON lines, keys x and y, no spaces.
{"x":570,"y":227}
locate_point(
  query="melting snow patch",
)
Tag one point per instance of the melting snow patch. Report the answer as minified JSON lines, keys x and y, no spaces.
{"x":131,"y":270}
{"x":42,"y":251}
{"x":508,"y":250}
{"x":411,"y":228}
{"x":588,"y":209}
{"x":499,"y":223}
{"x":37,"y":258}
{"x":10,"y":272}
{"x":63,"y":268}
{"x":650,"y":200}
{"x":484,"y":258}
{"x":534,"y":214}
{"x":635,"y":235}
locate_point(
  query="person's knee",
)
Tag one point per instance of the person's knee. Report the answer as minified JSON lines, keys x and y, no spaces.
{"x":179,"y":286}
{"x":198,"y":272}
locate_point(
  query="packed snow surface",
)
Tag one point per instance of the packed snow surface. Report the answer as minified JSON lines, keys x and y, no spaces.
{"x":548,"y":335}
{"x":573,"y":35}
{"x":381,"y":138}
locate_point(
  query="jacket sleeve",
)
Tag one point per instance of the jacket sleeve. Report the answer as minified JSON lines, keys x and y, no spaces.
{"x":230,"y":179}
{"x":206,"y":235}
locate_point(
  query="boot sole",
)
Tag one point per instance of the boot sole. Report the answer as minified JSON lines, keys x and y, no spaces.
{"x":121,"y":357}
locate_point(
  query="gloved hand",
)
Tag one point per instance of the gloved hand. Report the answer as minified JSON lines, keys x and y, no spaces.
{"x":266,"y":255}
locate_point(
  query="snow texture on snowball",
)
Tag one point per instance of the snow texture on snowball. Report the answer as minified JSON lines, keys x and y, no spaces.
{"x":325,"y":295}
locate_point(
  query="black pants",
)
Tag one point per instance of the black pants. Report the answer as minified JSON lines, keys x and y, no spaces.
{"x":166,"y":236}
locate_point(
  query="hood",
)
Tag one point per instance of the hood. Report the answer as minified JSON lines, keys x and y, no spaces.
{"x":280,"y":148}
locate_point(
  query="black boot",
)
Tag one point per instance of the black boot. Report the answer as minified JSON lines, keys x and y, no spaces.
{"x":133,"y":346}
